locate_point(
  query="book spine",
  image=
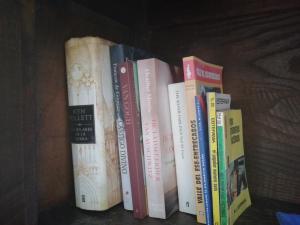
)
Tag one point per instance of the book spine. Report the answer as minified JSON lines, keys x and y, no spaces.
{"x":213,"y":152}
{"x":191,"y":92}
{"x":222,"y":167}
{"x":182,"y":148}
{"x":137,"y":95}
{"x":238,"y":197}
{"x":132,"y":127}
{"x":117,"y":56}
{"x":92,"y":124}
{"x":164,"y":77}
{"x":151,"y":138}
{"x":204,"y":155}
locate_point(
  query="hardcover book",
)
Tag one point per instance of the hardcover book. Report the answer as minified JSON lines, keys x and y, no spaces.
{"x":199,"y":78}
{"x":182,"y":148}
{"x":234,"y":192}
{"x":118,"y":54}
{"x":133,"y":133}
{"x":154,"y":77}
{"x":215,"y":102}
{"x":92,"y":125}
{"x":201,"y":114}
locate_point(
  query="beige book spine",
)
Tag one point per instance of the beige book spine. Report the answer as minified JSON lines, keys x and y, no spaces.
{"x":96,"y":166}
{"x":199,"y":76}
{"x":191,"y":92}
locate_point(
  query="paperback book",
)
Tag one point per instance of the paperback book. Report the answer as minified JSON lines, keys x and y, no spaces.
{"x":201,"y":114}
{"x":199,"y":78}
{"x":182,"y":148}
{"x":234,"y":192}
{"x":133,"y":137}
{"x":215,"y":102}
{"x":154,"y":78}
{"x":120,"y":53}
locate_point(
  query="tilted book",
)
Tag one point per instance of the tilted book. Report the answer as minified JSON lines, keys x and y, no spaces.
{"x":215,"y":102}
{"x":133,"y":133}
{"x":154,"y":77}
{"x":199,"y":77}
{"x":201,"y":114}
{"x":221,"y":131}
{"x":118,"y":54}
{"x":92,"y":124}
{"x":232,"y":159}
{"x":182,"y":148}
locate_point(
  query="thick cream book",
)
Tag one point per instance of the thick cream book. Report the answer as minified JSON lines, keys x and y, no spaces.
{"x":182,"y":148}
{"x":154,"y":77}
{"x":92,"y":126}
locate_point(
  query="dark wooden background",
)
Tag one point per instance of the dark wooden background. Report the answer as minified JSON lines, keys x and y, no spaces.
{"x":261,"y":58}
{"x":18,"y":204}
{"x":57,"y":22}
{"x":257,"y":42}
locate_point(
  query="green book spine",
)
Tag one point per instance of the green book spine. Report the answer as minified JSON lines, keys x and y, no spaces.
{"x":222,"y":167}
{"x":136,"y":86}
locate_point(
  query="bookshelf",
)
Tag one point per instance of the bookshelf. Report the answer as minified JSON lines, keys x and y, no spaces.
{"x":257,"y":42}
{"x":262,"y":212}
{"x":259,"y":55}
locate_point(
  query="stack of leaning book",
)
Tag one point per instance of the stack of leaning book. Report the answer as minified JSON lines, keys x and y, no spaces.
{"x":158,"y":139}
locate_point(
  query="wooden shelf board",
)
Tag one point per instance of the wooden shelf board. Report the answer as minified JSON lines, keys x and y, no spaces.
{"x":261,"y":212}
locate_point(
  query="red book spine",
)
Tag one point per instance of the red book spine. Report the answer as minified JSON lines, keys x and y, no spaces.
{"x":132,"y":129}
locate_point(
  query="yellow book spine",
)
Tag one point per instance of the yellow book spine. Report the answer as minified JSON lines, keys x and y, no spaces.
{"x":213,"y":153}
{"x":239,"y":192}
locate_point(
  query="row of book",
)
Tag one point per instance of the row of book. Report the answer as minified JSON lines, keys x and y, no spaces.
{"x":145,"y":134}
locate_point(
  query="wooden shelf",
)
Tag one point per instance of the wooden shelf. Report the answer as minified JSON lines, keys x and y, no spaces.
{"x":262,"y":212}
{"x":256,"y":41}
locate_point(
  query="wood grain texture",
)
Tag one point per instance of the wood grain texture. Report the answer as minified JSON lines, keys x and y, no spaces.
{"x":29,"y":109}
{"x":57,"y":21}
{"x":12,"y":199}
{"x":261,"y":57}
{"x":178,"y":12}
{"x":262,"y":212}
{"x":17,"y":115}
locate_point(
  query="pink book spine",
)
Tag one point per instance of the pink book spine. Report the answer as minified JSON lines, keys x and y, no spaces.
{"x":151,"y":137}
{"x":132,"y":129}
{"x":197,"y":69}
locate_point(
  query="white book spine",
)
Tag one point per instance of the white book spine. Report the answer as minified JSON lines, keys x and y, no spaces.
{"x":124,"y":168}
{"x":122,"y":144}
{"x":95,"y":162}
{"x":182,"y":149}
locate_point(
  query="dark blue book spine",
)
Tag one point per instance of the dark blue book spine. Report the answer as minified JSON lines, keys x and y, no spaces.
{"x":116,"y":56}
{"x":119,"y":54}
{"x":204,"y":155}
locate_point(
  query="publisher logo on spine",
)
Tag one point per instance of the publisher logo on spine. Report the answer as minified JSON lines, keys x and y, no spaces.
{"x":188,"y":72}
{"x":123,"y":69}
